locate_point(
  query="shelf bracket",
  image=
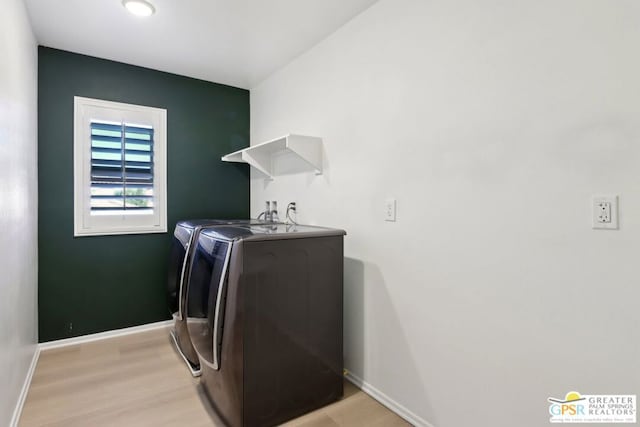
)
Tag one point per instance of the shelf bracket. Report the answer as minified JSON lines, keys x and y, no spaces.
{"x":308,"y":148}
{"x":253,"y":161}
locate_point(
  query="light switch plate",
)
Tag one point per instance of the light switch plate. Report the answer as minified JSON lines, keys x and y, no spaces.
{"x":604,"y":212}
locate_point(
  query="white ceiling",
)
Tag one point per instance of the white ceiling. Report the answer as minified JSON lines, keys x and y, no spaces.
{"x":235,"y":42}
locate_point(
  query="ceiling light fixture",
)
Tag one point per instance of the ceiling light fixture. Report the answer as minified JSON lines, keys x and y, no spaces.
{"x":139,"y":7}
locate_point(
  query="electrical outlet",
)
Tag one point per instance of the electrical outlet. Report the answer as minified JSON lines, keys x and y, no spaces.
{"x":605,"y":212}
{"x":390,"y":210}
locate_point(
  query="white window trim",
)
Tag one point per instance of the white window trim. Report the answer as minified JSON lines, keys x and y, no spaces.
{"x":86,"y":224}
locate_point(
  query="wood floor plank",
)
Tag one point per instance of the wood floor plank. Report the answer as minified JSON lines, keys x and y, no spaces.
{"x":140,"y":380}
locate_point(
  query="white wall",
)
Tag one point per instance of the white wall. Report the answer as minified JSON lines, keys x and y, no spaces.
{"x":492,"y":123}
{"x":18,"y":203}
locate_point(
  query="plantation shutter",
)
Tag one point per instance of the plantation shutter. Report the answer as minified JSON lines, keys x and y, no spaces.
{"x":121,"y":168}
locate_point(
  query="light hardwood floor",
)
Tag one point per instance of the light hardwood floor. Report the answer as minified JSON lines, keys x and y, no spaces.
{"x":140,"y":380}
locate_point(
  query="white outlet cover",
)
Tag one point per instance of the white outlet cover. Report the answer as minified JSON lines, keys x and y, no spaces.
{"x":390,"y":210}
{"x":597,"y":211}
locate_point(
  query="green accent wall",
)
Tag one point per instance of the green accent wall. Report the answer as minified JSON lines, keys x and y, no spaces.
{"x":95,"y":284}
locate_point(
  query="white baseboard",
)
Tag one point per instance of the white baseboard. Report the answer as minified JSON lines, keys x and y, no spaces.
{"x":387,"y":401}
{"x":25,"y":389}
{"x":104,"y":335}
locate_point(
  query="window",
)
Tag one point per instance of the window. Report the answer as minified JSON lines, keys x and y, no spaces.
{"x":119,"y":168}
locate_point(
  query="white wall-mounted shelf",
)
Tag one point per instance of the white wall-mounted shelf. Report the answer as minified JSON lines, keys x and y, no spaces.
{"x":260,"y":156}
